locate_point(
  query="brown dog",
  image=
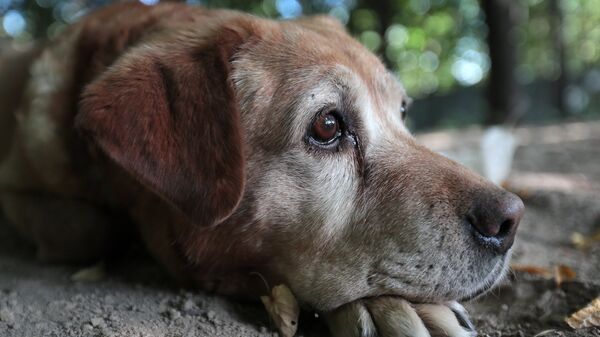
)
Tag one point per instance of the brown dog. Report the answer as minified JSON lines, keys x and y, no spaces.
{"x":238,"y":145}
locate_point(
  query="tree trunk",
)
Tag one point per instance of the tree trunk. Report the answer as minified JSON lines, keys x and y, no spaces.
{"x":385,"y":12}
{"x":556,"y":22}
{"x":504,"y":94}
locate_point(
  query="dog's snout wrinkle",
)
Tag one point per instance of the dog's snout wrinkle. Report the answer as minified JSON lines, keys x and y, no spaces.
{"x":495,"y":220}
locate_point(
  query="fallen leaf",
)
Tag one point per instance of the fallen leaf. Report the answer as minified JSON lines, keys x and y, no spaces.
{"x":283,"y":309}
{"x":533,"y":270}
{"x":90,"y":274}
{"x":581,"y":242}
{"x":562,"y":274}
{"x":587,"y":317}
{"x":545,"y":333}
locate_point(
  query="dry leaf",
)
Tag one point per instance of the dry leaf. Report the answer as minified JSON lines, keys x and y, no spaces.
{"x":587,"y":317}
{"x":545,"y":333}
{"x":562,"y":274}
{"x":283,"y":309}
{"x":90,"y":274}
{"x":533,"y":270}
{"x":581,"y":242}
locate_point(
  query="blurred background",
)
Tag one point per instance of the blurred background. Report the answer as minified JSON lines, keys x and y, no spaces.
{"x":532,"y":66}
{"x":465,"y":62}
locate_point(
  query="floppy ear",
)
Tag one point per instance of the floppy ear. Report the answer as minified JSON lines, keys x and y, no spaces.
{"x":168,"y":116}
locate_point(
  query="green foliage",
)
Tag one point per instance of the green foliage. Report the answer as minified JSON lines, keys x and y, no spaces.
{"x":435,"y":46}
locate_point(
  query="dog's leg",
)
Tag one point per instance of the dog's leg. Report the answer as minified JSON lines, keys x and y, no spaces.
{"x":392,"y":316}
{"x":63,"y":230}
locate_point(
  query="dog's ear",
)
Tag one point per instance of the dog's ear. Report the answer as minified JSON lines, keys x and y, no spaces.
{"x":168,"y":116}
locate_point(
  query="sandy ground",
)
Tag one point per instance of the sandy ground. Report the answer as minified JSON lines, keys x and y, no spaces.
{"x":556,"y":172}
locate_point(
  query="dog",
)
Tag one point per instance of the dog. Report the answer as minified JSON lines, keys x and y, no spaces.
{"x":234,"y":146}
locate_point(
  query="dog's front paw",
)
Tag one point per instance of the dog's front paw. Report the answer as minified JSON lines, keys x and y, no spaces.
{"x":393,"y":316}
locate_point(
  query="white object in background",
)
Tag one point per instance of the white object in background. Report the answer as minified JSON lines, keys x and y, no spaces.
{"x":497,"y":148}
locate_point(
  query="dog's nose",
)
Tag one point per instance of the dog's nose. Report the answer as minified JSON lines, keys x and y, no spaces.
{"x":495,"y":220}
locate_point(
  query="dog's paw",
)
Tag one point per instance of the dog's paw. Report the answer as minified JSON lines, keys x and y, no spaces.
{"x":393,"y":316}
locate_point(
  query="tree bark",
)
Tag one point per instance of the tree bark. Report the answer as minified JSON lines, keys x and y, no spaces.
{"x":504,"y":93}
{"x":556,"y":22}
{"x":385,"y":12}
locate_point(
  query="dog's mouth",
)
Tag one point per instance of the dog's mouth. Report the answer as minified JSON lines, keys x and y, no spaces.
{"x":491,"y":280}
{"x":452,"y":288}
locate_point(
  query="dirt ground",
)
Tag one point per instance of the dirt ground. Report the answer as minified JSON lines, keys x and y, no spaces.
{"x":556,"y":172}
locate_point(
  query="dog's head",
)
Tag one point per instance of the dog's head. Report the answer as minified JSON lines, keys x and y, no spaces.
{"x":290,"y":136}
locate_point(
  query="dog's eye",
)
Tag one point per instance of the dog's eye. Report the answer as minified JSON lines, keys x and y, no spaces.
{"x":403,"y":110}
{"x":326,"y":128}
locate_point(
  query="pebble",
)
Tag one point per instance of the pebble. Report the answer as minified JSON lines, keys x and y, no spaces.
{"x":173,"y":314}
{"x":12,"y":302}
{"x":114,"y":317}
{"x":108,"y":299}
{"x":7,"y":316}
{"x":97,"y":321}
{"x":188,"y":306}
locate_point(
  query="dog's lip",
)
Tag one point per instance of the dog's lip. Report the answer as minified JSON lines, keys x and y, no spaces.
{"x":477,"y":293}
{"x":487,"y":283}
{"x":495,"y":277}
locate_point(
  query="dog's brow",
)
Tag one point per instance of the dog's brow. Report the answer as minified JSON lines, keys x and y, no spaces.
{"x":394,"y":82}
{"x":390,"y":89}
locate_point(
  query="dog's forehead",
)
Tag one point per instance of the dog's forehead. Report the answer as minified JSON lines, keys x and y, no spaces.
{"x":332,"y":44}
{"x":319,"y":43}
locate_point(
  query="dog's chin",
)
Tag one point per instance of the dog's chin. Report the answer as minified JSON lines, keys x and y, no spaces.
{"x":490,"y":281}
{"x":487,"y":283}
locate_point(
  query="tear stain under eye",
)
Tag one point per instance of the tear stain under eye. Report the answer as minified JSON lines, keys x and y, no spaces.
{"x":353,"y":138}
{"x":359,"y":160}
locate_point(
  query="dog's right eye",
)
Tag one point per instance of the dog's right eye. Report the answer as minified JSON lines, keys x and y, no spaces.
{"x":326,"y":129}
{"x":403,"y":110}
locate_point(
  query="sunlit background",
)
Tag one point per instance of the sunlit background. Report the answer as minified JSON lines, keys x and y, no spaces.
{"x":439,"y":48}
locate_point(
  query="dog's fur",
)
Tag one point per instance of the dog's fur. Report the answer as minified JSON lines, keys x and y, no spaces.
{"x":192,"y":125}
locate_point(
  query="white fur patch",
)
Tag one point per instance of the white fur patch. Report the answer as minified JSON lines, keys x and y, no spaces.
{"x":441,"y":320}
